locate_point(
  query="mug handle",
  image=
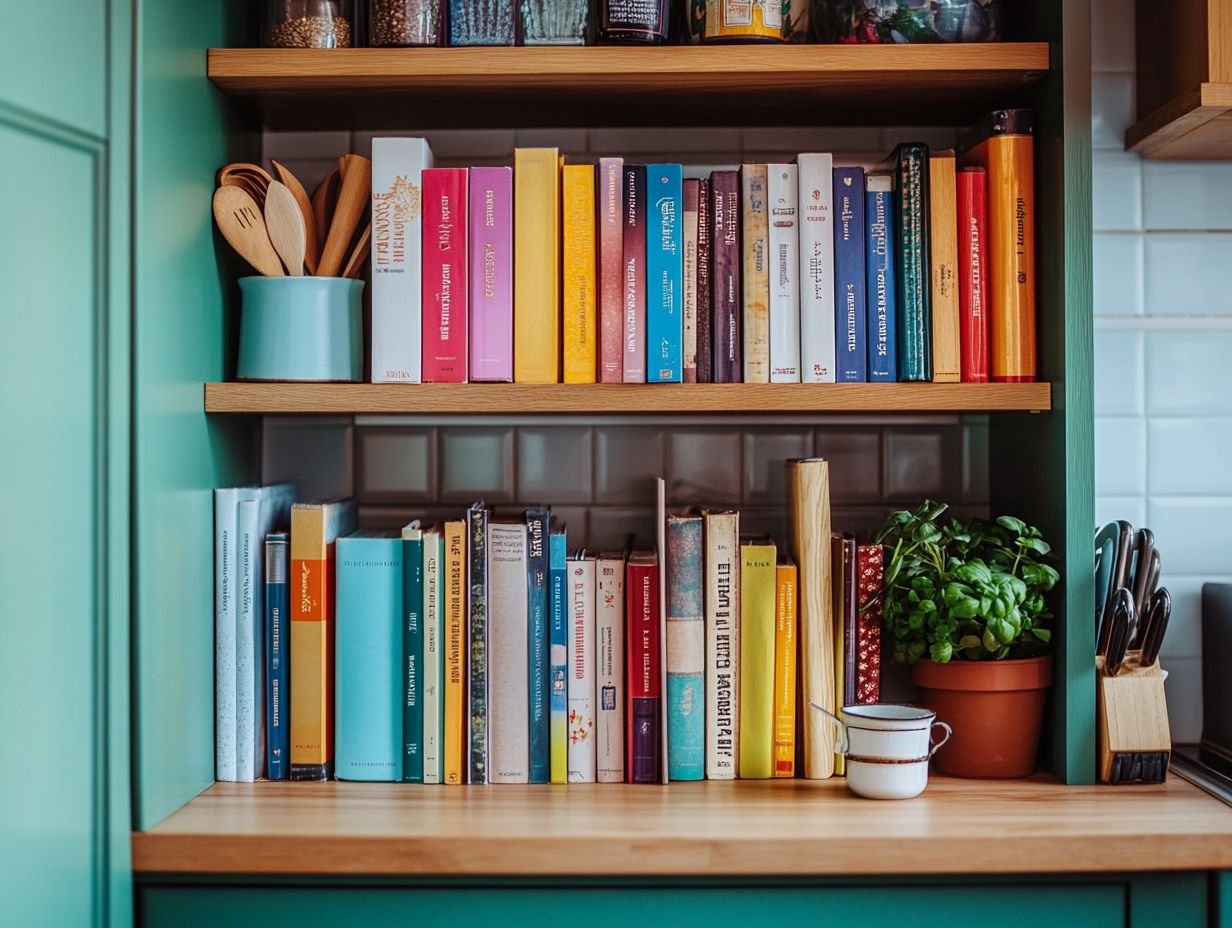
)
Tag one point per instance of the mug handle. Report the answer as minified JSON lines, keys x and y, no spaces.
{"x":841,"y":744}
{"x":934,"y":747}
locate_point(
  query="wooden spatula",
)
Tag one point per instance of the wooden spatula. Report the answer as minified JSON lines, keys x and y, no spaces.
{"x":323,"y":200}
{"x":239,"y":220}
{"x":312,"y":246}
{"x":354,"y":195}
{"x":285,"y":225}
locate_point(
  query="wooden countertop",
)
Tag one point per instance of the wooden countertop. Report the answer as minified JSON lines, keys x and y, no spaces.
{"x":746,"y":828}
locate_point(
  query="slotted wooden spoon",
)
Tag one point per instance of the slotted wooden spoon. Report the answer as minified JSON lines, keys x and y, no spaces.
{"x":239,"y":220}
{"x":285,"y":226}
{"x":312,"y":246}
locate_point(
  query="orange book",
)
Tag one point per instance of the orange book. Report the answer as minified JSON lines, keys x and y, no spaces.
{"x":536,"y":265}
{"x":578,"y":272}
{"x":785,"y":667}
{"x":457,"y":667}
{"x":943,"y":243}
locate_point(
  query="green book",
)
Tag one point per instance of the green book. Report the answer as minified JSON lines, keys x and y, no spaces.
{"x":412,"y":654}
{"x":915,"y":323}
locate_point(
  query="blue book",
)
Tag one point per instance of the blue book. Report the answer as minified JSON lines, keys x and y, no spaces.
{"x":368,"y":657}
{"x":882,"y":289}
{"x":851,"y":351}
{"x":559,"y":641}
{"x":664,"y":273}
{"x":538,"y":654}
{"x":686,"y":654}
{"x":277,"y":656}
{"x":412,"y":654}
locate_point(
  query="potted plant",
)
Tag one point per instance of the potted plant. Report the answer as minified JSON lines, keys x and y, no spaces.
{"x":964,"y":604}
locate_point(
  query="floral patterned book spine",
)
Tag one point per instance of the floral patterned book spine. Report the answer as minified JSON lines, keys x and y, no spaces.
{"x":871,"y":566}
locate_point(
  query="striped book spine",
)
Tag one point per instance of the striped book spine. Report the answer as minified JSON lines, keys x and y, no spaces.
{"x":686,"y":650}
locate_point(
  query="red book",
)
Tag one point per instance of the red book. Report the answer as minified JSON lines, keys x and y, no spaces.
{"x":611,"y":271}
{"x":871,"y":565}
{"x":444,"y":275}
{"x":973,"y":273}
{"x":643,"y":657}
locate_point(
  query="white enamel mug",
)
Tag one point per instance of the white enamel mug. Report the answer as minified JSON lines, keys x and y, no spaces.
{"x":887,"y":747}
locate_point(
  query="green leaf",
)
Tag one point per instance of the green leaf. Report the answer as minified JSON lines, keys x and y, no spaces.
{"x":926,"y":533}
{"x":1017,"y":526}
{"x":1042,"y":634}
{"x":990,"y":640}
{"x":967,"y":642}
{"x":941,"y":651}
{"x":1035,"y":544}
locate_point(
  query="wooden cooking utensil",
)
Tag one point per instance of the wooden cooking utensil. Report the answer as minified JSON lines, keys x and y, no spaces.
{"x":239,"y":220}
{"x":323,"y":200}
{"x":312,"y":246}
{"x":254,"y":178}
{"x":354,"y":195}
{"x":359,"y":254}
{"x":285,"y":225}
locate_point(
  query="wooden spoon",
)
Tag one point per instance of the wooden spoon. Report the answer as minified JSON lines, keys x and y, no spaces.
{"x":239,"y":220}
{"x":252,"y":177}
{"x":323,"y":201}
{"x":359,"y":254}
{"x":312,"y":246}
{"x":285,"y":225}
{"x":354,"y":195}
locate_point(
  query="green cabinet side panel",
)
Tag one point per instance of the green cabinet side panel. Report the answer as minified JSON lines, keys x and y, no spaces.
{"x":1221,"y":899}
{"x":1177,"y":900}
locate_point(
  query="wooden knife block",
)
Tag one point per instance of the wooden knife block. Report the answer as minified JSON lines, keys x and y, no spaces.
{"x":1134,"y":743}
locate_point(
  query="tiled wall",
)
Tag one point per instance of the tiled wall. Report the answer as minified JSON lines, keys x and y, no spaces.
{"x":1163,"y":354}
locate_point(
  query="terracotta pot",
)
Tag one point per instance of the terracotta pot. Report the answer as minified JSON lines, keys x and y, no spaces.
{"x":996,"y":709}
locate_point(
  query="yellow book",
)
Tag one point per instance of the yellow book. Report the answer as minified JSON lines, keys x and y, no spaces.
{"x":755,"y":227}
{"x":578,"y":272}
{"x":785,"y":668}
{"x":457,"y":731}
{"x":757,"y":600}
{"x":943,"y":239}
{"x":536,"y":265}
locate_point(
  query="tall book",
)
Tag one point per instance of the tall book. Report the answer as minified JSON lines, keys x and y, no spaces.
{"x":686,"y":650}
{"x":277,"y":667}
{"x":809,"y":498}
{"x":785,"y":667}
{"x":315,"y":527}
{"x":850,"y":340}
{"x":727,"y":358}
{"x":578,"y":301}
{"x":477,"y":612}
{"x":870,"y":566}
{"x":490,"y":240}
{"x":973,"y":273}
{"x":689,"y":204}
{"x":539,"y":668}
{"x":581,"y":686}
{"x":610,"y":668}
{"x":412,"y":653}
{"x":445,"y":307}
{"x":722,"y":538}
{"x":664,"y":273}
{"x":558,"y":604}
{"x":782,"y":195}
{"x":816,"y":220}
{"x":943,"y":239}
{"x":882,"y":294}
{"x":536,"y":276}
{"x":508,"y":718}
{"x":434,"y":656}
{"x":226,"y":611}
{"x":455,"y":722}
{"x":915,"y":351}
{"x":396,"y":241}
{"x":705,"y":334}
{"x":843,"y":561}
{"x":634,"y":240}
{"x":369,"y":656}
{"x":755,"y":232}
{"x":757,"y":582}
{"x":611,"y":272}
{"x":642,"y":750}
{"x":1003,"y":144}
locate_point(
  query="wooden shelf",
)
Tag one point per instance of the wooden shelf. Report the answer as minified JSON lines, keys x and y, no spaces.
{"x":1196,"y":126}
{"x":621,"y":399}
{"x":745,"y":827}
{"x":609,"y":85}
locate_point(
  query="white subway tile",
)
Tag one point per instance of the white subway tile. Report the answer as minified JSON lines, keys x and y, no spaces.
{"x":1188,"y":275}
{"x":476,"y":463}
{"x":1117,"y":269}
{"x":1184,"y":638}
{"x":1184,"y":691}
{"x":703,"y":467}
{"x":1118,"y":373}
{"x":1110,"y":508}
{"x":1190,"y":457}
{"x":1112,"y":110}
{"x":1187,"y":194}
{"x":1188,"y":373}
{"x":555,"y":464}
{"x":396,"y":465}
{"x":317,"y":455}
{"x":766,"y":453}
{"x":1120,"y":456}
{"x":1116,"y":191}
{"x":1193,"y":533}
{"x":855,"y":463}
{"x":634,"y":143}
{"x":626,"y":462}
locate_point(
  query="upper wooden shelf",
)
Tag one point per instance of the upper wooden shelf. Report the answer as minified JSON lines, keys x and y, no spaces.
{"x":623,"y":399}
{"x":734,"y":828}
{"x":1196,"y":126}
{"x":420,"y":88}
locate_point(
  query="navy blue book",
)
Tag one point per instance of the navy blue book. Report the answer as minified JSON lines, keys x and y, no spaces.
{"x":539,"y":670}
{"x":882,"y":288}
{"x":277,"y":655}
{"x":558,"y":606}
{"x":412,"y":654}
{"x":851,"y":350}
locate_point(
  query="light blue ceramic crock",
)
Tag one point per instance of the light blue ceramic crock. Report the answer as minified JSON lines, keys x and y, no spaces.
{"x":301,"y":328}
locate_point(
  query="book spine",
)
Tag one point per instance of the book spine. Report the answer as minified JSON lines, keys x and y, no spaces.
{"x":785,"y":670}
{"x":581,"y":686}
{"x":782,"y":193}
{"x":851,"y":347}
{"x":490,"y":230}
{"x":882,"y":289}
{"x":722,"y":535}
{"x":755,"y":235}
{"x":757,"y":579}
{"x":610,"y":670}
{"x":434,"y":660}
{"x":397,"y":234}
{"x":943,"y":295}
{"x":536,"y":278}
{"x":558,"y":579}
{"x":538,"y":652}
{"x":509,"y":723}
{"x":611,"y":275}
{"x":226,"y":576}
{"x":634,"y":240}
{"x":727,"y":289}
{"x":838,"y":592}
{"x":871,"y":566}
{"x":444,"y":276}
{"x":915,"y":356}
{"x":664,"y":269}
{"x":412,"y":657}
{"x":578,"y":273}
{"x":642,"y":600}
{"x":248,"y":553}
{"x":477,"y":612}
{"x":851,"y":601}
{"x":690,"y":190}
{"x":705,"y":335}
{"x":686,"y":650}
{"x":455,"y":722}
{"x":973,"y":273}
{"x":277,"y":622}
{"x":816,"y":220}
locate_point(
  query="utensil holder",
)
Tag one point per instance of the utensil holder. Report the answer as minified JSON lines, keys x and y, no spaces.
{"x":1134,"y":743}
{"x":301,"y":328}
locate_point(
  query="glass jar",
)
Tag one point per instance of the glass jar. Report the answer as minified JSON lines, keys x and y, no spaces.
{"x":406,"y":22}
{"x":555,"y":22}
{"x":642,"y":21}
{"x":481,"y":22}
{"x":745,"y":20}
{"x":308,"y":24}
{"x":908,"y":21}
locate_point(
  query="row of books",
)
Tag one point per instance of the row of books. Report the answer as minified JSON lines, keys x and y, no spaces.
{"x":779,"y":273}
{"x":482,"y":651}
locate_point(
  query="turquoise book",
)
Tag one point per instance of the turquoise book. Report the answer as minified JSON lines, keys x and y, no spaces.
{"x":368,"y":657}
{"x":558,"y":606}
{"x":538,"y":656}
{"x":686,"y":650}
{"x":412,"y":654}
{"x":664,"y":273}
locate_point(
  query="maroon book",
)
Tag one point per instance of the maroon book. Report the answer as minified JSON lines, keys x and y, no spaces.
{"x":726,"y":355}
{"x":635,"y":273}
{"x":643,"y":655}
{"x":704,"y":370}
{"x":871,"y":563}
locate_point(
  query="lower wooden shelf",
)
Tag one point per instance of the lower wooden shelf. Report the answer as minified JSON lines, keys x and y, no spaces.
{"x":734,"y":828}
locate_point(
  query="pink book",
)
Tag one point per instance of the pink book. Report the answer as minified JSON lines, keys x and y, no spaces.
{"x":633,"y":279}
{"x":444,"y":275}
{"x":491,"y":284}
{"x":611,"y":275}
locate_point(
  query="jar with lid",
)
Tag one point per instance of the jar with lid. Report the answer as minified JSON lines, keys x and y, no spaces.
{"x":555,"y":22}
{"x":308,"y":24}
{"x":406,"y":22}
{"x":482,"y":22}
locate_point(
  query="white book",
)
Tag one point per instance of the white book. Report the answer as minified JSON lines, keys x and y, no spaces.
{"x":816,"y":226}
{"x":580,"y":574}
{"x":433,"y":666}
{"x":782,"y":194}
{"x":610,"y":669}
{"x":226,"y":615}
{"x":396,"y":265}
{"x":508,"y":655}
{"x":722,"y":586}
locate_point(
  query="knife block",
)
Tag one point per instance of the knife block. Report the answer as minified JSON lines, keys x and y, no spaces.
{"x":1134,"y":743}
